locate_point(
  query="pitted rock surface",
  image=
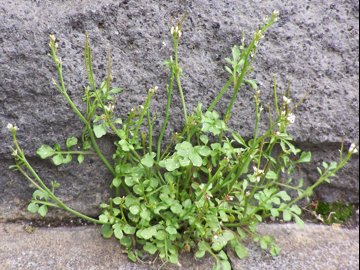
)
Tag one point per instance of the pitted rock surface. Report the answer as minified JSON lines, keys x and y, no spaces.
{"x":314,"y":46}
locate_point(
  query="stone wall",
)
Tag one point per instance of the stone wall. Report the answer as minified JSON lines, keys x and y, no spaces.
{"x":314,"y":46}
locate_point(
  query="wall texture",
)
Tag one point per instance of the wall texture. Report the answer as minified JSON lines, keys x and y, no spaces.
{"x":314,"y":46}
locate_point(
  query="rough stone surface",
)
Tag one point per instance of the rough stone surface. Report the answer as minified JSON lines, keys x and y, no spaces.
{"x":314,"y":46}
{"x":315,"y":247}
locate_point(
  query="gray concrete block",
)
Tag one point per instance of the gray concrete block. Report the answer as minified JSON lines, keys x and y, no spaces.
{"x":315,"y":247}
{"x":314,"y":46}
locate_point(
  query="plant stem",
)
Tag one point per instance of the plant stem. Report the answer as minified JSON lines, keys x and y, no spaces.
{"x":167,"y":114}
{"x":78,"y":113}
{"x":220,"y":95}
{"x":177,"y":75}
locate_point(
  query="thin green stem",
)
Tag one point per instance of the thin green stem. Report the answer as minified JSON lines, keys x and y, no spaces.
{"x":78,"y":113}
{"x":177,"y":76}
{"x":167,"y":114}
{"x":221,"y":94}
{"x":150,"y":127}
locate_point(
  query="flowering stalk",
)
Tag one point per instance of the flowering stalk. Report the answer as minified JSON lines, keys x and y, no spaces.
{"x":238,"y":80}
{"x":53,"y":46}
{"x":176,"y":32}
{"x":21,"y":162}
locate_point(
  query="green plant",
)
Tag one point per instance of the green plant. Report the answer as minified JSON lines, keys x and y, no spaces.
{"x":330,"y":213}
{"x":207,"y":189}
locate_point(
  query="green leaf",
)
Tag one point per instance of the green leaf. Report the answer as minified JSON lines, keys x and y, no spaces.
{"x":116,"y":90}
{"x":169,"y":164}
{"x":283,"y":195}
{"x":275,"y":250}
{"x":286,"y":215}
{"x":239,"y":139}
{"x":263,"y":243}
{"x":304,"y":157}
{"x":171,"y":230}
{"x":200,"y":253}
{"x":222,"y":255}
{"x":103,"y":218}
{"x":161,"y":235}
{"x":173,"y":258}
{"x":274,"y":212}
{"x":132,"y":257}
{"x":195,"y":159}
{"x":204,"y":139}
{"x":117,"y":200}
{"x":67,"y":159}
{"x":228,"y":70}
{"x":225,"y":265}
{"x":271,"y":175}
{"x":176,"y":208}
{"x":150,"y":248}
{"x":33,"y":208}
{"x":116,"y":182}
{"x":184,"y":149}
{"x":129,"y":229}
{"x":148,"y":160}
{"x":130,"y":200}
{"x":80,"y":158}
{"x":58,"y":159}
{"x":118,"y":231}
{"x":38,"y":194}
{"x":126,"y":241}
{"x":296,"y":209}
{"x":106,"y":231}
{"x":299,"y":221}
{"x":43,"y":210}
{"x":45,"y":151}
{"x":203,"y":150}
{"x":253,"y":84}
{"x":221,"y":241}
{"x":145,"y":214}
{"x":241,"y":251}
{"x":100,"y":130}
{"x":70,"y":142}
{"x":135,"y":209}
{"x":130,"y":181}
{"x":147,"y":233}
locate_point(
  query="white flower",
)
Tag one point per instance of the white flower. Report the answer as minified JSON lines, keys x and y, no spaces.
{"x":257,"y":171}
{"x":291,"y":118}
{"x":353,"y":149}
{"x":276,"y":12}
{"x":153,"y":90}
{"x":12,"y":127}
{"x":277,"y":133}
{"x":286,"y":100}
{"x":247,"y":193}
{"x":109,"y":108}
{"x":172,"y":30}
{"x":14,"y":153}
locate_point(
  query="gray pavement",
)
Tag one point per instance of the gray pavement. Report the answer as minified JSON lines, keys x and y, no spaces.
{"x":315,"y":247}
